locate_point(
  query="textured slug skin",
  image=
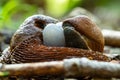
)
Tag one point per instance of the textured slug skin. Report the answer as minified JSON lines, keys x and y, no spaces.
{"x":33,"y":50}
{"x":30,"y":26}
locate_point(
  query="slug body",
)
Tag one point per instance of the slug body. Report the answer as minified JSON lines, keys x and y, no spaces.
{"x":32,"y":25}
{"x":89,"y":30}
{"x":41,"y":38}
{"x":74,"y":38}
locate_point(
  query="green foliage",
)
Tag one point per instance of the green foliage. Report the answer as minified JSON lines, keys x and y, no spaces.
{"x":6,"y":12}
{"x":13,"y":13}
{"x":58,"y":8}
{"x":4,"y":74}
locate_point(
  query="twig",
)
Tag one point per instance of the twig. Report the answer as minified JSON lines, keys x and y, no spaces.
{"x":31,"y":69}
{"x":85,"y":67}
{"x":112,"y":38}
{"x":69,"y":68}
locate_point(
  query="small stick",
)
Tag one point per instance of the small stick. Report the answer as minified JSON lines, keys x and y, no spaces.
{"x":112,"y":38}
{"x":31,"y":69}
{"x":68,"y":68}
{"x":96,"y":69}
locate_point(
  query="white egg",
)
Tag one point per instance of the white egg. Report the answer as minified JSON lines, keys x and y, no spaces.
{"x":53,"y":35}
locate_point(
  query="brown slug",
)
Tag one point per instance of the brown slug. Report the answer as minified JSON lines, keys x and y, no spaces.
{"x":27,"y":43}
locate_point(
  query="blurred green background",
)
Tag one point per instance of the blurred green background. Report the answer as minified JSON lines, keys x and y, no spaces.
{"x":14,"y":12}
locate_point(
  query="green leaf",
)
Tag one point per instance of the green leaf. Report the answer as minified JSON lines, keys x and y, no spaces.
{"x":4,"y":74}
{"x":58,"y":8}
